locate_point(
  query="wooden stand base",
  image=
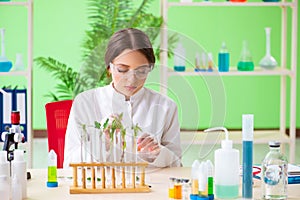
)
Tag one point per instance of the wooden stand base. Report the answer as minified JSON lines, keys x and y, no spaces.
{"x":111,"y":187}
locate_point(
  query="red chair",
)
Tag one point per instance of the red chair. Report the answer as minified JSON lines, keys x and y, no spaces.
{"x":57,"y":114}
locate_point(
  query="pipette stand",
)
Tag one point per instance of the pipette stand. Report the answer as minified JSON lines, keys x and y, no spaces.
{"x":104,"y":186}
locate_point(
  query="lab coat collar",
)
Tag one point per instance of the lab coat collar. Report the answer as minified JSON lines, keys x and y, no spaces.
{"x":137,"y":96}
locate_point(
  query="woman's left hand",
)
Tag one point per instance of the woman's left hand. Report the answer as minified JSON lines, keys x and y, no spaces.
{"x":148,"y":145}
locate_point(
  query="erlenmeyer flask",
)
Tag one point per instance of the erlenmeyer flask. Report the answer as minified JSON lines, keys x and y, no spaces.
{"x":268,"y":62}
{"x":245,"y":63}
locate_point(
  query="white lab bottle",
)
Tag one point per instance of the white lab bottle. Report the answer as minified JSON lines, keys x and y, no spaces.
{"x":5,"y":167}
{"x":16,"y":189}
{"x":226,"y":168}
{"x":4,"y":187}
{"x":4,"y":164}
{"x":19,"y":170}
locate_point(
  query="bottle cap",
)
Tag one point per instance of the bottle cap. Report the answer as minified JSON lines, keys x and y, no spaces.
{"x":226,"y":144}
{"x":193,"y":197}
{"x":202,"y":198}
{"x":210,"y":168}
{"x":195,"y":169}
{"x":211,"y":197}
{"x":52,"y":184}
{"x":274,"y":144}
{"x":15,"y":117}
{"x":247,"y":129}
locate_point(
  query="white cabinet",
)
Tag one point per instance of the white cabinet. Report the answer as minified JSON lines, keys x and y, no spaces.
{"x":27,"y":73}
{"x":286,"y":73}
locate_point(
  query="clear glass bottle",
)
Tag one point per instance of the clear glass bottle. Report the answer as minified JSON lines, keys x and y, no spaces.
{"x":274,"y":173}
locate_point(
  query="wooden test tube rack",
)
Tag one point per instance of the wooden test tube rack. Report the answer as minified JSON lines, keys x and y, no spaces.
{"x":104,"y":187}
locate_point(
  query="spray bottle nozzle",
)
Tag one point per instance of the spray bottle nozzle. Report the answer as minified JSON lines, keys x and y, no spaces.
{"x":225,"y":143}
{"x":218,"y":129}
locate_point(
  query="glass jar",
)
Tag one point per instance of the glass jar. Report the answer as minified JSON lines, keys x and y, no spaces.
{"x":274,"y":173}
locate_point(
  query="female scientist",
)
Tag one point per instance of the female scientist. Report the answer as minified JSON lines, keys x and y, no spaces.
{"x":129,"y":58}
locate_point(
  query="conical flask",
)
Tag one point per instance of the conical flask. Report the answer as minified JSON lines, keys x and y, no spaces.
{"x":268,"y":62}
{"x":245,"y":63}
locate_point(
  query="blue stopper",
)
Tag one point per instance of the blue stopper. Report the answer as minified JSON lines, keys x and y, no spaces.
{"x":52,"y":184}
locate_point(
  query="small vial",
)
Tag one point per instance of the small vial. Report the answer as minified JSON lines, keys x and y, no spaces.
{"x":177,"y":189}
{"x":185,"y":189}
{"x":210,"y":62}
{"x":171,"y":187}
{"x":195,"y":176}
{"x":52,"y":169}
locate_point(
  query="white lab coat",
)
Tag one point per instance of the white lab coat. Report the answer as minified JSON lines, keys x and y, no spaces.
{"x":155,"y":113}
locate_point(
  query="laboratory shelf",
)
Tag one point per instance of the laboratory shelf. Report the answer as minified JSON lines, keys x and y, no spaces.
{"x":231,"y":4}
{"x":15,"y":73}
{"x":233,"y":72}
{"x":286,"y":72}
{"x":27,"y":72}
{"x":13,"y":3}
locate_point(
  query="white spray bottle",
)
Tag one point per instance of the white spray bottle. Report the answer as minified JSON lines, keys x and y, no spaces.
{"x":226,"y":168}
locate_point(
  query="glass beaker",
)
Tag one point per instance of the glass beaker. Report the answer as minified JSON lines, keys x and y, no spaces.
{"x":268,"y":61}
{"x":245,"y":63}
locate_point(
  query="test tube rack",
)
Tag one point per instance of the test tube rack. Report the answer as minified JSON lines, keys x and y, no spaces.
{"x":108,"y":186}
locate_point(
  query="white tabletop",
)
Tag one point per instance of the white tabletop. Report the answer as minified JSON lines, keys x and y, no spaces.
{"x":156,"y":178}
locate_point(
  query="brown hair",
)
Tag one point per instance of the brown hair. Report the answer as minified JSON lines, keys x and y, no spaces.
{"x":129,"y":38}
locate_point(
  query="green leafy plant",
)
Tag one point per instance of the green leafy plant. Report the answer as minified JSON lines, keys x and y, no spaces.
{"x":116,"y":127}
{"x":105,"y":17}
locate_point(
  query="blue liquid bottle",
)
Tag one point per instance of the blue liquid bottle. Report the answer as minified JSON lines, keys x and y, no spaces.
{"x":179,"y":58}
{"x":223,"y":58}
{"x":247,"y":132}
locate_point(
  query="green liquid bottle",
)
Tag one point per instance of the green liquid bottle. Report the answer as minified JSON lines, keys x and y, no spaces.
{"x":245,"y":63}
{"x":52,"y":169}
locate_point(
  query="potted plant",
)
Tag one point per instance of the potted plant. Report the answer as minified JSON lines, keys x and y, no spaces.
{"x":106,"y":17}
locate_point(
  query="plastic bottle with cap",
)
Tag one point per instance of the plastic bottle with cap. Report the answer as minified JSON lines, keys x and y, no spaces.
{"x":247,"y":132}
{"x":52,"y":169}
{"x":210,"y":179}
{"x":179,"y":58}
{"x":4,"y":187}
{"x":202,"y":180}
{"x":195,"y":175}
{"x":19,"y":170}
{"x":4,"y":164}
{"x":16,"y":189}
{"x":226,"y":168}
{"x":223,"y":58}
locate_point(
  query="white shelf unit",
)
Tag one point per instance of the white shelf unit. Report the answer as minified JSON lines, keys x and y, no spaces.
{"x":27,"y":73}
{"x":283,"y":71}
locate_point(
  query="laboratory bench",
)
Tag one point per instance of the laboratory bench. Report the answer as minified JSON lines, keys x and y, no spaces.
{"x":157,"y":179}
